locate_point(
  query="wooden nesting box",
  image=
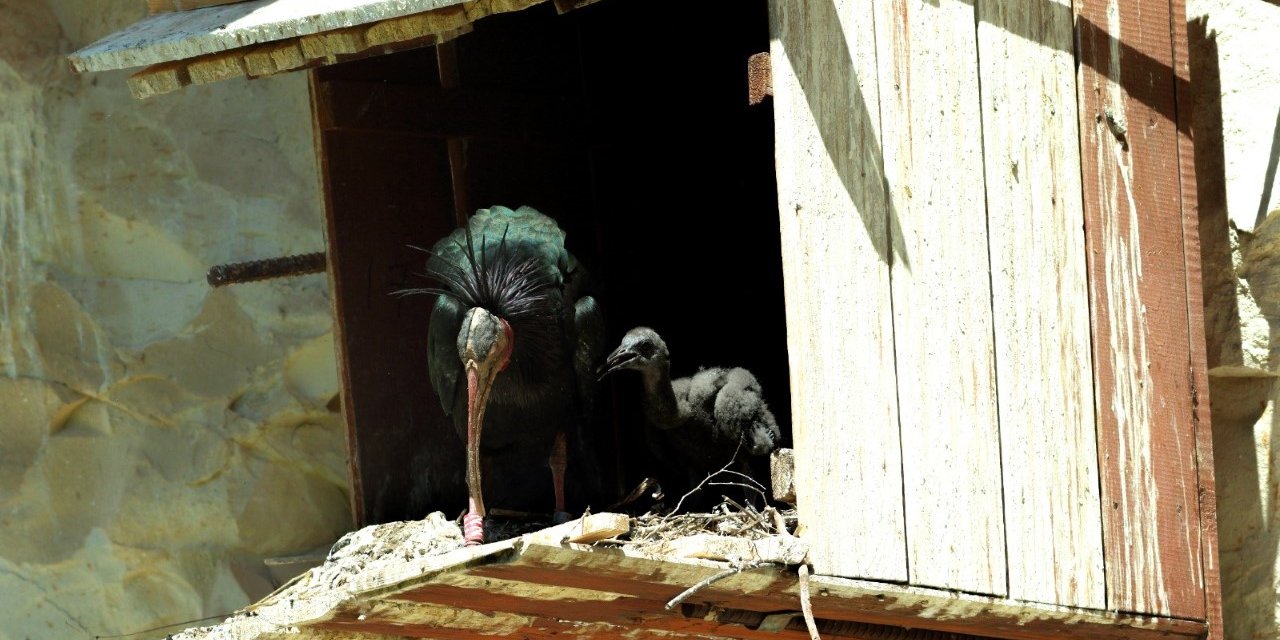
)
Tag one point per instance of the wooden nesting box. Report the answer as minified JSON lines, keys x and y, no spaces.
{"x":989,"y":255}
{"x":993,"y":299}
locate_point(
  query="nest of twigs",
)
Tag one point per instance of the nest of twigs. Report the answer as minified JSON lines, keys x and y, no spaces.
{"x":730,"y":517}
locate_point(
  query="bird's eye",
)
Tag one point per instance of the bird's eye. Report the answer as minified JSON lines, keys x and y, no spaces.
{"x":646,"y":349}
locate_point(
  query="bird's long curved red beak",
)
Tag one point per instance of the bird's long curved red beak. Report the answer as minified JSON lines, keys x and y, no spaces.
{"x":479,"y":383}
{"x":481,"y":371}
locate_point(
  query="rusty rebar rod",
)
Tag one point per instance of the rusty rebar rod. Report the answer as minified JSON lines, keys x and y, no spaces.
{"x":237,"y":272}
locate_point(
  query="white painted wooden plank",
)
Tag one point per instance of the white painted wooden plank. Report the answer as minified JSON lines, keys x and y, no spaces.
{"x":1044,"y":367}
{"x":932,"y":134}
{"x":177,"y":36}
{"x":836,"y":252}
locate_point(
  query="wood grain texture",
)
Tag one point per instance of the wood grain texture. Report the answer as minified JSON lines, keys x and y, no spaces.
{"x":836,"y":252}
{"x":384,"y":192}
{"x":166,"y":6}
{"x":609,"y":586}
{"x":932,"y":136}
{"x":175,"y":36}
{"x":1199,"y":365}
{"x":1138,"y":281}
{"x":329,"y":47}
{"x":1040,"y":302}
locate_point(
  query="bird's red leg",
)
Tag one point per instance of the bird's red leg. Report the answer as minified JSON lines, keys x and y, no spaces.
{"x":558,"y":461}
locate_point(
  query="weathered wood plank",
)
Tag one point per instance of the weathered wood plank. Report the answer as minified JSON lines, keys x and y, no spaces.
{"x":836,"y":253}
{"x":165,"y":6}
{"x":835,"y":599}
{"x":158,"y":79}
{"x":1040,"y":299}
{"x":1138,"y":281}
{"x":292,"y":54}
{"x":1208,"y":502}
{"x":384,"y":192}
{"x":932,"y":136}
{"x":175,"y":36}
{"x":211,"y":69}
{"x":782,"y":475}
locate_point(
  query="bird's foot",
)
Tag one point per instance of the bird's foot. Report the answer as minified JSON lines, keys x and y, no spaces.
{"x":561,"y":517}
{"x":473,"y":529}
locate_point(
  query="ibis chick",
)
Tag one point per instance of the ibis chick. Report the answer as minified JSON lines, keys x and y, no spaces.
{"x":699,"y":423}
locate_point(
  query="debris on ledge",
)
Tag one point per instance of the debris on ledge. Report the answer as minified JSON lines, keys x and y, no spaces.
{"x":724,"y":574}
{"x":584,"y":578}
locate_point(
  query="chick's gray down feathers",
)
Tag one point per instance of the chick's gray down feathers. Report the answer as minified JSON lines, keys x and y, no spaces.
{"x":730,"y":401}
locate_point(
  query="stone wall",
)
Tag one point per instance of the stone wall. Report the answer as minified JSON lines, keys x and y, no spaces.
{"x":157,"y":438}
{"x":1237,"y":85}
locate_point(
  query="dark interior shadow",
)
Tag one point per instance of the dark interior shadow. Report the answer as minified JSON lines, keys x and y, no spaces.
{"x":847,"y":129}
{"x":1269,"y":178}
{"x":1218,"y":276}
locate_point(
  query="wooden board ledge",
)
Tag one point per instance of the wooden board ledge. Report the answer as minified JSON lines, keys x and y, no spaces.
{"x":544,"y":584}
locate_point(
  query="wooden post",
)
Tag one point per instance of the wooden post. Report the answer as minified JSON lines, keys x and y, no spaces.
{"x":836,"y":251}
{"x":1138,"y":282}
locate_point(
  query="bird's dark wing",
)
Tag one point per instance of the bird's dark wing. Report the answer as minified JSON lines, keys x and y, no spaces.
{"x":442,"y":350}
{"x":588,"y":321}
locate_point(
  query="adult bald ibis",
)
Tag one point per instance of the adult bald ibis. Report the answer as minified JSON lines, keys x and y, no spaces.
{"x":696,"y":425}
{"x":514,"y":343}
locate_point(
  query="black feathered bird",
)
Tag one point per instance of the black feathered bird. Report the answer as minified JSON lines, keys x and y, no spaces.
{"x":699,"y":423}
{"x":514,"y":343}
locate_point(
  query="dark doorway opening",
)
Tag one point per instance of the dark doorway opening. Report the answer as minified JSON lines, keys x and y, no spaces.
{"x":631,"y":128}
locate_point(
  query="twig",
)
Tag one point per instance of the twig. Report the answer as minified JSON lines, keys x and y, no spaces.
{"x":702,"y":584}
{"x":779,"y":522}
{"x":755,"y":483}
{"x":806,"y":607}
{"x":735,"y":484}
{"x":704,"y":480}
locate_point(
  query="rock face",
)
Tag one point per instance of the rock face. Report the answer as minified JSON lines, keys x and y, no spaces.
{"x":157,"y":438}
{"x":1238,"y":93}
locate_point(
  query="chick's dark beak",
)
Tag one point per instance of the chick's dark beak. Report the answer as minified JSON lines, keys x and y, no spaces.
{"x":621,"y":358}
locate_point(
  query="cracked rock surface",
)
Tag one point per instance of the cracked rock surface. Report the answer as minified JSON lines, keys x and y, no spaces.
{"x":158,"y":438}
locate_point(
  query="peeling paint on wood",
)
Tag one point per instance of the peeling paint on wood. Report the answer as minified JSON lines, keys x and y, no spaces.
{"x":1133,"y":205}
{"x":943,"y":334}
{"x":836,"y":252}
{"x":165,"y":6}
{"x":342,"y":45}
{"x":1208,"y":503}
{"x":176,"y":36}
{"x":1040,"y":301}
{"x":550,"y":591}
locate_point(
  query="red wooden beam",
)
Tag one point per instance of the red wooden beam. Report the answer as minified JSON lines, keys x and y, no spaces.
{"x":1195,"y":315}
{"x":1138,"y":268}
